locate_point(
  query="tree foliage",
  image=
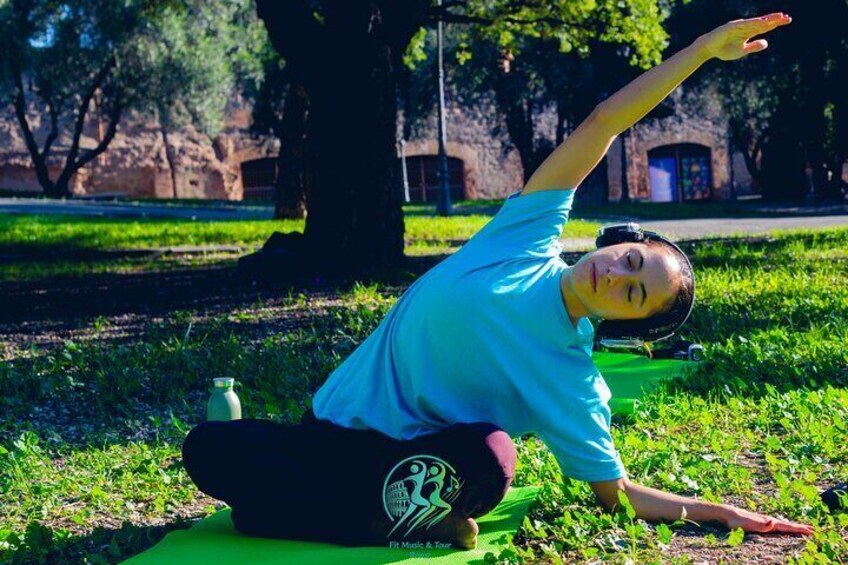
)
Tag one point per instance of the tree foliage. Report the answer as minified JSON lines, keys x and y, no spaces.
{"x":177,"y":59}
{"x":526,"y":66}
{"x":786,"y":106}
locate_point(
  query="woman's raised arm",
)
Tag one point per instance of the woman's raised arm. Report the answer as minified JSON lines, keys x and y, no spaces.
{"x":581,"y":151}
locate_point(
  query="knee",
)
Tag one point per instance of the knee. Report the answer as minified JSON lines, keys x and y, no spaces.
{"x":502,"y":448}
{"x":497,"y":447}
{"x":197,"y":449}
{"x":497,"y":462}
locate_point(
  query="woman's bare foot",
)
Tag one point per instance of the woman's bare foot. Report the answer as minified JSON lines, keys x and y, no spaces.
{"x":456,"y":530}
{"x":466,"y":533}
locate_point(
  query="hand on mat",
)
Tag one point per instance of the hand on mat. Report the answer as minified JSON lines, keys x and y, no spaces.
{"x":730,"y":41}
{"x":753,"y":522}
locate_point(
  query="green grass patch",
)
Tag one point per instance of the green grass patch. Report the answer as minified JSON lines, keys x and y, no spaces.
{"x":22,"y":232}
{"x":45,"y":232}
{"x":61,"y":236}
{"x":761,"y":423}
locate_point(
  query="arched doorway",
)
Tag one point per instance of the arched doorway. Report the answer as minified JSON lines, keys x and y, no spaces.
{"x":680,"y":172}
{"x":258,"y":178}
{"x":423,"y":182}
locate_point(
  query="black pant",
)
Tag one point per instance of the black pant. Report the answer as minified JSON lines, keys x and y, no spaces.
{"x":322,"y":482}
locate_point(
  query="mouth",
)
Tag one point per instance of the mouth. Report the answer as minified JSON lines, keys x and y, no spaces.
{"x":594,"y":279}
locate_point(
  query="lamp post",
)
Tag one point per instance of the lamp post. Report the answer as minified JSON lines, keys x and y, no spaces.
{"x":443,"y":202}
{"x":402,"y":151}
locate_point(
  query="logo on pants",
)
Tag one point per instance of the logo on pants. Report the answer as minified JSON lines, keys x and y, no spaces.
{"x":418,"y":492}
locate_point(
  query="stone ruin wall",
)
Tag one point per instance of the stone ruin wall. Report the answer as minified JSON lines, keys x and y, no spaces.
{"x":687,"y":125}
{"x":491,"y":164}
{"x":135,"y":163}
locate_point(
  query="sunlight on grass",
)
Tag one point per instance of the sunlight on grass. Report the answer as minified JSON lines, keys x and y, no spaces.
{"x":425,"y":235}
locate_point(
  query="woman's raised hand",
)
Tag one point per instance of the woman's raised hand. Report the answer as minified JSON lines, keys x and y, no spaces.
{"x":730,"y":41}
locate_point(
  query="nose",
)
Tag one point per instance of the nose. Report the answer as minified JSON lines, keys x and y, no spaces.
{"x":617,"y":275}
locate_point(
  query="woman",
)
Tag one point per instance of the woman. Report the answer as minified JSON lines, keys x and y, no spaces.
{"x":410,"y":438}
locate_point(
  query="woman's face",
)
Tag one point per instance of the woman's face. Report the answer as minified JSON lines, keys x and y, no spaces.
{"x":626,"y":281}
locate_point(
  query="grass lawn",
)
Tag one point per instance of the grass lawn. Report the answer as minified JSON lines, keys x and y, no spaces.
{"x":27,"y":232}
{"x":69,"y":241}
{"x":94,"y":409}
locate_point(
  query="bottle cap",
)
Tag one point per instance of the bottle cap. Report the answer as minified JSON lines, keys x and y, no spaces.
{"x":223,"y":382}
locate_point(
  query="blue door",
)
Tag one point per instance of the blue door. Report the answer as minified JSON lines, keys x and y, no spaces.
{"x":663,"y":177}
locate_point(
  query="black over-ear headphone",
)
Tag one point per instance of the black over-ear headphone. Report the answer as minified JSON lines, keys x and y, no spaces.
{"x":634,"y":333}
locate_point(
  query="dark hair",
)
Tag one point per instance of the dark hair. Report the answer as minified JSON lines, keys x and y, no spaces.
{"x":670,"y":316}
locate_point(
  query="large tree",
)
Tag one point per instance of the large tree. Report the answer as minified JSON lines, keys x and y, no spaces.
{"x":67,"y":61}
{"x":347,"y":55}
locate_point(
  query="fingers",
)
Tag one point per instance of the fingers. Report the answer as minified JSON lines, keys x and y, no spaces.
{"x":783,"y":526}
{"x":760,"y":523}
{"x":774,"y":17}
{"x":766,"y":23}
{"x":793,"y":528}
{"x":755,"y":46}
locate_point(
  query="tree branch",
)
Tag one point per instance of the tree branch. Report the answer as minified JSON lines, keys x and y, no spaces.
{"x":54,"y":129}
{"x":751,"y":159}
{"x":292,"y":29}
{"x":115,"y":116}
{"x":401,"y":20}
{"x":83,"y":111}
{"x":32,"y":146}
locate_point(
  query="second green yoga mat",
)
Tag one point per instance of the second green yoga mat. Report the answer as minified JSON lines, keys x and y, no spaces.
{"x":213,"y":541}
{"x":630,"y":376}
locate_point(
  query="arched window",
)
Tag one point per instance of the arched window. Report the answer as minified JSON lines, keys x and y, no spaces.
{"x":680,"y":172}
{"x":423,"y":182}
{"x":259,"y":178}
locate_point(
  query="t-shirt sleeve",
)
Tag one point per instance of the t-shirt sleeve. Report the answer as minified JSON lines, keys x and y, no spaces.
{"x":526,"y":225}
{"x":573,"y":420}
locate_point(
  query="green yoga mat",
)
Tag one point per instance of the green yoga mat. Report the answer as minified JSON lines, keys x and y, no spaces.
{"x":213,"y":541}
{"x":630,"y":376}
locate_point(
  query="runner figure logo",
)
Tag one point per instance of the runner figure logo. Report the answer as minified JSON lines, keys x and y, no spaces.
{"x":418,"y":491}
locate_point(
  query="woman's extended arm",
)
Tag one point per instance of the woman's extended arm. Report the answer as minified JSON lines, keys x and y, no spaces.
{"x":581,"y":151}
{"x":654,"y":505}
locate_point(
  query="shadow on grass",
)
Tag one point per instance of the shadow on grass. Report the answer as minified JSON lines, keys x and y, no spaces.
{"x":72,"y":298}
{"x":41,"y":544}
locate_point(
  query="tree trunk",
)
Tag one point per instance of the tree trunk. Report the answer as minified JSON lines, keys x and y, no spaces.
{"x":169,"y":155}
{"x":291,"y":182}
{"x":517,"y":113}
{"x":355,"y":218}
{"x":562,"y":116}
{"x":782,"y":169}
{"x":814,"y":134}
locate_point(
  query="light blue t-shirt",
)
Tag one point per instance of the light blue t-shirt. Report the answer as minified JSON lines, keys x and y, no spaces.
{"x":484,"y":336}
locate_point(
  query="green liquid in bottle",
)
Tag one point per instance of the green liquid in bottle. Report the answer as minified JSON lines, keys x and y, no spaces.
{"x":223,"y":404}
